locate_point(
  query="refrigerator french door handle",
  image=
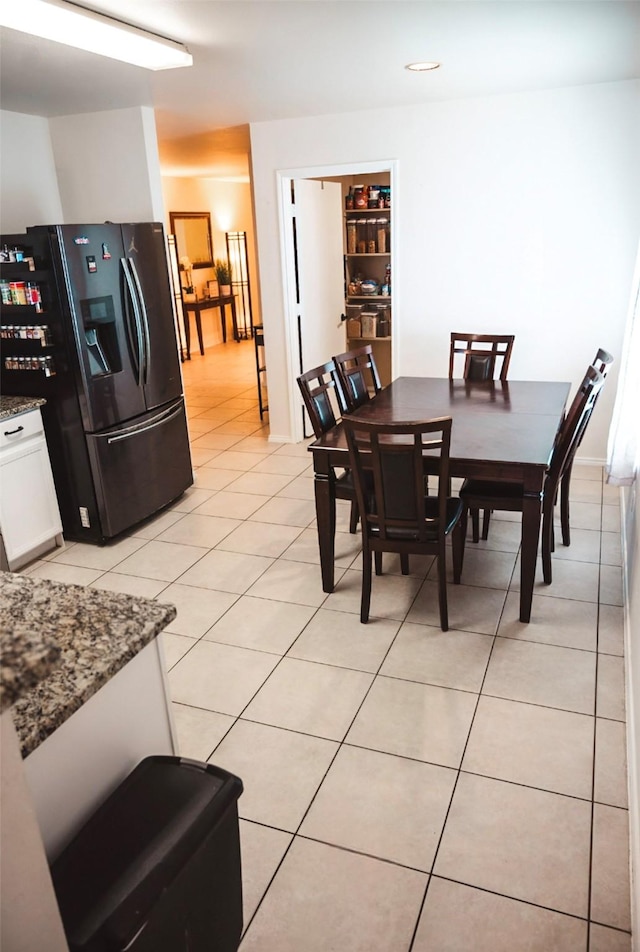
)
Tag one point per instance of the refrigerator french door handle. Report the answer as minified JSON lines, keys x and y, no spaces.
{"x":156,"y":421}
{"x":134,"y":348}
{"x":136,"y":314}
{"x":145,"y":319}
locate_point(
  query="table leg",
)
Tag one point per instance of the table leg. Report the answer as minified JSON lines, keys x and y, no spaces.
{"x":187,"y":331}
{"x":199,"y":330}
{"x":223,"y":323}
{"x":531,"y":512}
{"x":326,"y":519}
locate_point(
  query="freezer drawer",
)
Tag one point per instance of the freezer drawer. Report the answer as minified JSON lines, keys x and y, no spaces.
{"x":141,"y":467}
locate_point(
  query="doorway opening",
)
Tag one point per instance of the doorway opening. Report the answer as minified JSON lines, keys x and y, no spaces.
{"x":318,"y":271}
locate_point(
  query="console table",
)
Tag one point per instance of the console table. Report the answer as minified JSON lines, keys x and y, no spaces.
{"x":198,"y":307}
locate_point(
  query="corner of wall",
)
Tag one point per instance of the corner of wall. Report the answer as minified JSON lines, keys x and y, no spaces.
{"x":29,"y":192}
{"x":98,"y":178}
{"x":153,"y":162}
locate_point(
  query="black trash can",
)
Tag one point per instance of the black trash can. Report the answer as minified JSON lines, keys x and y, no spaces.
{"x":157,"y":866}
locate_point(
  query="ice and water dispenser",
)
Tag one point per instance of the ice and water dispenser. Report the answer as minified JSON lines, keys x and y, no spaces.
{"x":101,"y":337}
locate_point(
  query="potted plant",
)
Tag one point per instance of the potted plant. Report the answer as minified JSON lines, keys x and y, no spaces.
{"x":223,"y":274}
{"x":188,"y":290}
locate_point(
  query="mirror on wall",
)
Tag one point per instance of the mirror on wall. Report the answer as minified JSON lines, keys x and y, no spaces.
{"x":193,"y":237}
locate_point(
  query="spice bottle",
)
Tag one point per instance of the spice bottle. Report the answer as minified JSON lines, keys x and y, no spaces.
{"x":385,"y":290}
{"x":32,"y":293}
{"x":18,"y":292}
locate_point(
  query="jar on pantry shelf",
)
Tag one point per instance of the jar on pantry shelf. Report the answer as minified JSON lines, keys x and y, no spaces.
{"x":360,"y":196}
{"x":371,"y":236}
{"x":362,"y":236}
{"x":374,"y":194}
{"x":352,"y":236}
{"x":382,"y":235}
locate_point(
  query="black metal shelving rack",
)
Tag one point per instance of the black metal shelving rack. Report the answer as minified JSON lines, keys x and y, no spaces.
{"x":240,"y":281}
{"x":258,"y":340}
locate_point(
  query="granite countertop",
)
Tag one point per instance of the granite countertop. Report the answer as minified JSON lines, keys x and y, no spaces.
{"x":60,"y":643}
{"x":12,"y":406}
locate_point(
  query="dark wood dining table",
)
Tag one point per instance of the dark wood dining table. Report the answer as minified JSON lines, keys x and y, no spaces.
{"x":502,"y":430}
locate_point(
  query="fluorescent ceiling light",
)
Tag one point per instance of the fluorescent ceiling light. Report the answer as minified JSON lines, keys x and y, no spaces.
{"x":421,"y":67}
{"x":75,"y":26}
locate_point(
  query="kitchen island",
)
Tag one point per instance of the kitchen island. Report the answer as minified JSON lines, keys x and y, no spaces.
{"x":95,"y":632}
{"x":83,"y":699}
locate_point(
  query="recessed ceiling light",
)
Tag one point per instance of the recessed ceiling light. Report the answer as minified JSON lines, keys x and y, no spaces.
{"x":76,"y":26}
{"x":421,"y":67}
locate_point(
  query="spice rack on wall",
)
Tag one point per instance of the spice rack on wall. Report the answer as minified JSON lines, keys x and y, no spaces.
{"x":30,"y":354}
{"x":368,"y":274}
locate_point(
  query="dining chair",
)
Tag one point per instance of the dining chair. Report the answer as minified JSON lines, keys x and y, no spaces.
{"x":358,"y":376}
{"x":509,"y":497}
{"x":601,"y":362}
{"x":317,"y":387}
{"x":481,"y":353}
{"x":388,"y":463}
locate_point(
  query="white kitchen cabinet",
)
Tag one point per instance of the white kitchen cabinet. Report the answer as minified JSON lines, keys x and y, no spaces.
{"x":29,"y":515}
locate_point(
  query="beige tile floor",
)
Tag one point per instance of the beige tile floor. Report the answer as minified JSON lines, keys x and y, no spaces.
{"x":405,"y":788}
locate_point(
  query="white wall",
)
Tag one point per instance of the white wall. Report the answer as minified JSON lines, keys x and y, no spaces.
{"x":107,"y":166}
{"x":93,"y":167}
{"x":512,"y":213}
{"x":28,"y":185}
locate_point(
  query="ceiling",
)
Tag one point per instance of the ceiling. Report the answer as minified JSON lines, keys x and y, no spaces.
{"x":275,"y":59}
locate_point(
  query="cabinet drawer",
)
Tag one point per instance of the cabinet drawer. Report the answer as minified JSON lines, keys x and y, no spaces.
{"x":15,"y":429}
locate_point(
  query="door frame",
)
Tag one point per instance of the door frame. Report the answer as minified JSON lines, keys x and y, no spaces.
{"x":284,"y":179}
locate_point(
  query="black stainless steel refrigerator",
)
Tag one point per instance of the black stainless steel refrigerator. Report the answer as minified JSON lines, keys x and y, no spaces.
{"x":115,"y":417}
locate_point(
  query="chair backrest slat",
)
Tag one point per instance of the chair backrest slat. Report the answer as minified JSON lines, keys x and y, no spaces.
{"x":481,"y":354}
